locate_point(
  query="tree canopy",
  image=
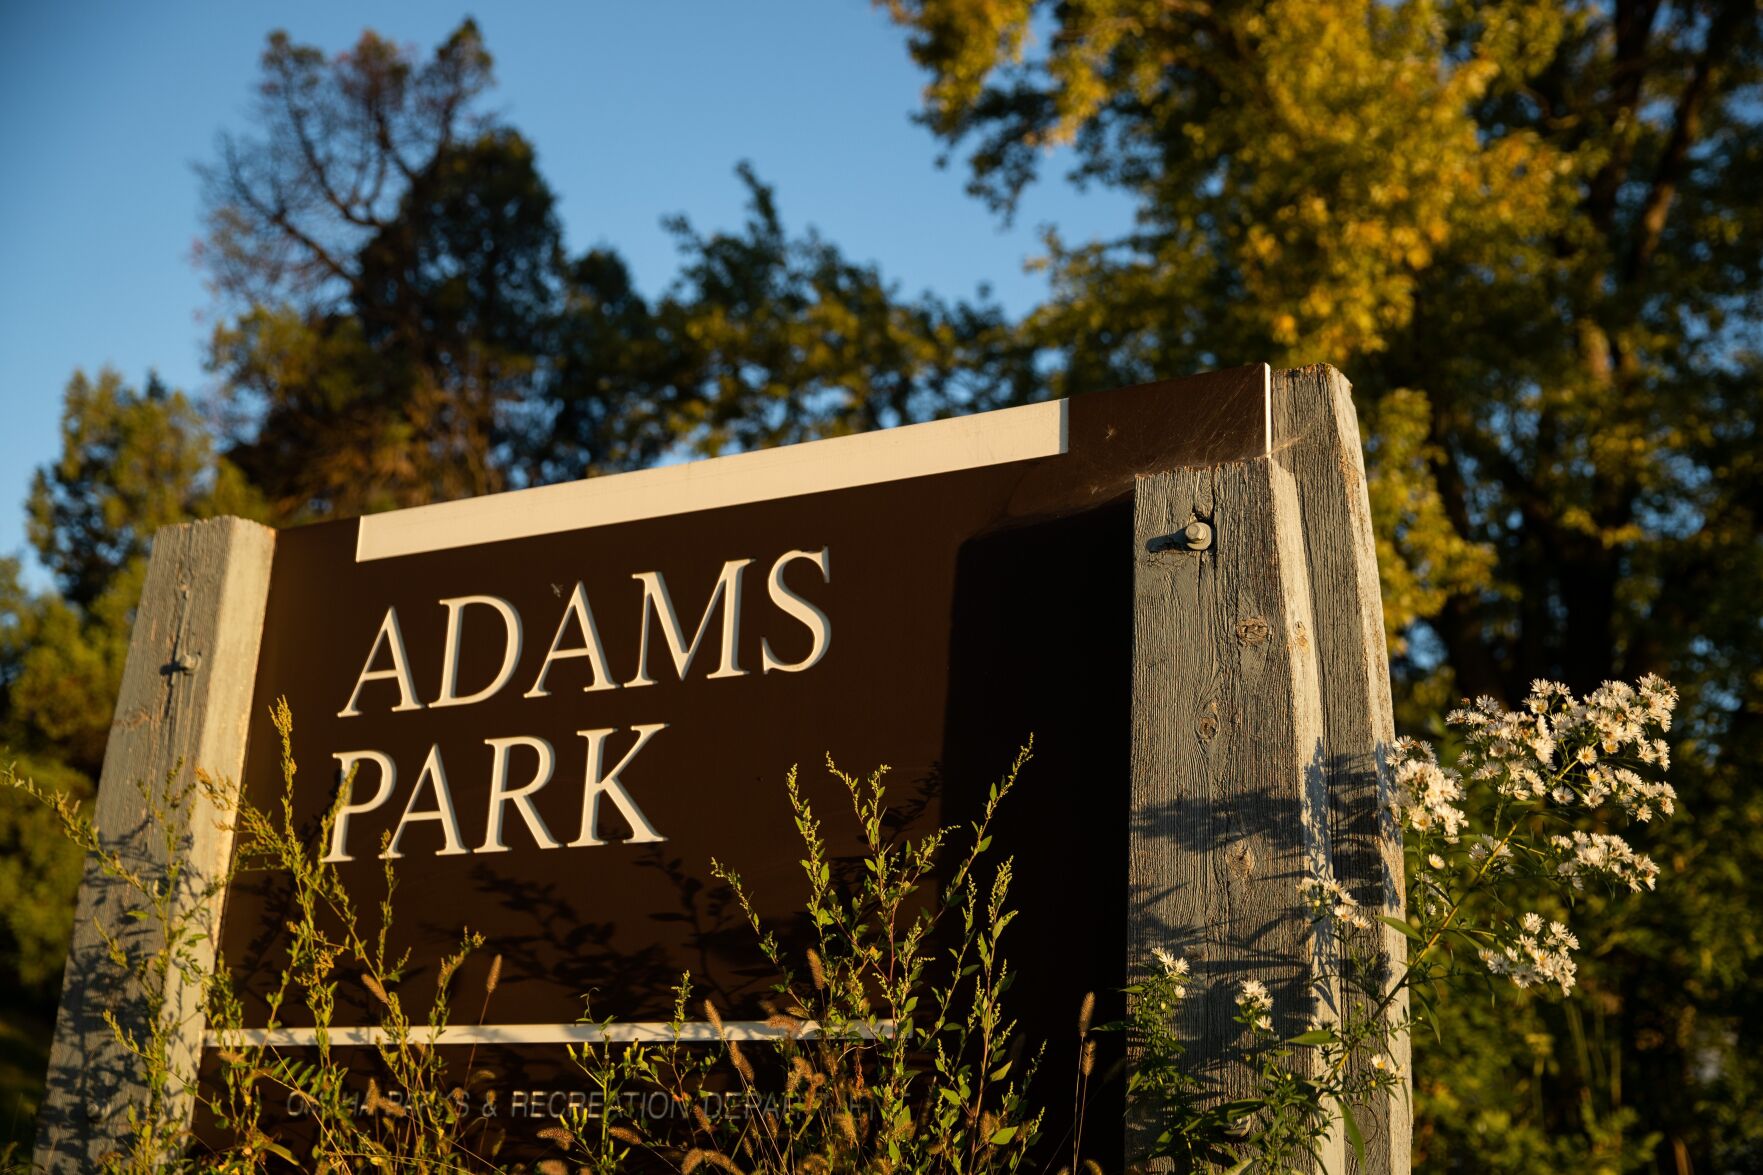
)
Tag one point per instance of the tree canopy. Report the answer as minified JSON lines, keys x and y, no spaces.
{"x":409,"y":326}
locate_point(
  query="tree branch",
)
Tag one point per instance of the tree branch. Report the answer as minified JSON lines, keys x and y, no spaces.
{"x":1722,"y":34}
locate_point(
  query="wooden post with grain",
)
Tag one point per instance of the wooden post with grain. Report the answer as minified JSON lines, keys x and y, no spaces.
{"x":1316,"y":437}
{"x":1261,"y":720}
{"x":186,"y":692}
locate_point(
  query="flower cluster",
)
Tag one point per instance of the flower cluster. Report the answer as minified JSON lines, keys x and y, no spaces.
{"x":1640,"y":798}
{"x":1254,"y":1005}
{"x":1513,"y":751}
{"x":1535,"y":955}
{"x":1426,"y":795}
{"x":1596,"y":854}
{"x":1570,"y":749}
{"x":1558,"y":759}
{"x":1328,"y":898}
{"x":1175,"y":969}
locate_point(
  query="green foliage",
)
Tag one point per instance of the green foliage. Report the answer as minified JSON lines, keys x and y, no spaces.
{"x":417,"y":1120}
{"x":888,"y":1057}
{"x":153,"y":952}
{"x":895,"y":1050}
{"x":131,"y":462}
{"x":785,"y":340}
{"x":39,"y":871}
{"x":160,"y":940}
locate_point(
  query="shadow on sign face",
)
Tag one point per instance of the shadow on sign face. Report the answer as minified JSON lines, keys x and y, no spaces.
{"x":1043,"y":645}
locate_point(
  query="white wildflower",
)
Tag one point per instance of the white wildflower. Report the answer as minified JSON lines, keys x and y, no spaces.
{"x":1172,"y":964}
{"x":1597,"y":854}
{"x":1484,"y":846}
{"x":1659,"y":698}
{"x":1328,"y":898}
{"x":1425,"y":793}
{"x":1533,"y":956}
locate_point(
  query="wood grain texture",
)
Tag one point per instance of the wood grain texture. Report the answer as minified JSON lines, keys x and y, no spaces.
{"x":1316,"y":439}
{"x":1229,"y":798}
{"x":186,"y":692}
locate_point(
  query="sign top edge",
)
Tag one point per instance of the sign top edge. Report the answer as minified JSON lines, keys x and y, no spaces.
{"x":1028,"y":432}
{"x":1022,"y":433}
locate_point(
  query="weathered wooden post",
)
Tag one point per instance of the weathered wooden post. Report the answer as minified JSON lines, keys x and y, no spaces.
{"x":186,"y":691}
{"x":1316,"y":437}
{"x":1230,"y":807}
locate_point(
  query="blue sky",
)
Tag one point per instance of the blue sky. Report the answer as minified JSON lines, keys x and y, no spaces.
{"x":637,"y":111}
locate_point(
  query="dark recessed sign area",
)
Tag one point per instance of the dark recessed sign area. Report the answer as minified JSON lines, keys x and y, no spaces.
{"x":552,"y":709}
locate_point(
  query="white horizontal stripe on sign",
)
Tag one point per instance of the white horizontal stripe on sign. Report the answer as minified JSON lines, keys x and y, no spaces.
{"x":894,"y":454}
{"x":651,"y":1032}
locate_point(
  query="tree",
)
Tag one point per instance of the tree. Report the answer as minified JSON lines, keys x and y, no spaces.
{"x":786,"y":340}
{"x":397,"y":265}
{"x":38,"y":870}
{"x":130,"y":463}
{"x":403,"y":394}
{"x":409,"y":327}
{"x":1529,"y":233}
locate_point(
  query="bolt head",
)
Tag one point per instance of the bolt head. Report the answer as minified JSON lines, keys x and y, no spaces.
{"x":1199,"y":536}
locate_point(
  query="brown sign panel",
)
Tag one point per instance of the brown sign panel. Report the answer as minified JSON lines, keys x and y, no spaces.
{"x":561,"y":704}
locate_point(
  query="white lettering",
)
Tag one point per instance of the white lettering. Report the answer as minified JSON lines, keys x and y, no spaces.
{"x":348,"y":766}
{"x":601,"y":784}
{"x":521,"y":797}
{"x":393,"y":638}
{"x":441,"y":812}
{"x":591,"y":648}
{"x":450,"y":659}
{"x":813,"y":618}
{"x":657,"y":601}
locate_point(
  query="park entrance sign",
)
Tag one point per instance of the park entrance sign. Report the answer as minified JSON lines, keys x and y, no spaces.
{"x":549,"y":710}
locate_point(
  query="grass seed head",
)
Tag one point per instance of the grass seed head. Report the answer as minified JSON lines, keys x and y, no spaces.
{"x":373,"y":986}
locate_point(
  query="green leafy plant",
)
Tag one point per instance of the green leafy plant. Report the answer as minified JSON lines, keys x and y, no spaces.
{"x":416,"y":1117}
{"x":414,"y":1120}
{"x":893,"y":1048}
{"x":167,"y":913}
